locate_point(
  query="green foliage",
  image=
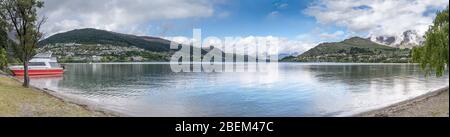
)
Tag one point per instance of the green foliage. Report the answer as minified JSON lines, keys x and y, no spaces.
{"x":353,"y":50}
{"x":433,"y":56}
{"x":3,"y":39}
{"x":3,"y":43}
{"x":3,"y":30}
{"x":21,"y":17}
{"x":3,"y":58}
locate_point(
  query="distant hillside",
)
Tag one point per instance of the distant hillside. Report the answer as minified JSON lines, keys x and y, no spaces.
{"x":352,"y":50}
{"x":93,"y":45}
{"x":95,"y":36}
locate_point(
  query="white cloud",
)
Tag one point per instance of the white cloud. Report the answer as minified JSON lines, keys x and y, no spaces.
{"x":127,"y":16}
{"x":279,"y":45}
{"x":282,"y":5}
{"x":273,"y":14}
{"x":224,"y":14}
{"x":333,"y":35}
{"x":279,"y":7}
{"x":378,"y":17}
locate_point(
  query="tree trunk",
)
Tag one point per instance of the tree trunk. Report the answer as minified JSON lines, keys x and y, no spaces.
{"x":26,"y":79}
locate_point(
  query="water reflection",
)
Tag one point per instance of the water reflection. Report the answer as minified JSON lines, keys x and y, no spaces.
{"x":284,"y":90}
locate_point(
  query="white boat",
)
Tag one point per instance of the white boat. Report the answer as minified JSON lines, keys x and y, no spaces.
{"x":41,"y":64}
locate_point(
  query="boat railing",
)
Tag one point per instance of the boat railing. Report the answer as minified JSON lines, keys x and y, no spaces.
{"x":43,"y":55}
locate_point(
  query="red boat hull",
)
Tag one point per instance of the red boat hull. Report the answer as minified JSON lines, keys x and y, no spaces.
{"x":38,"y":72}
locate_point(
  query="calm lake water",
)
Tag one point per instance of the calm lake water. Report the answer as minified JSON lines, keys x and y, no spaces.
{"x":294,"y":89}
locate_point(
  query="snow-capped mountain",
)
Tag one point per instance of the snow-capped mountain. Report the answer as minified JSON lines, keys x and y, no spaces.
{"x":283,"y":55}
{"x":407,"y":39}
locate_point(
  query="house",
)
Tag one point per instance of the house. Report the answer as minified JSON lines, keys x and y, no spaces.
{"x":137,"y":58}
{"x":96,"y":58}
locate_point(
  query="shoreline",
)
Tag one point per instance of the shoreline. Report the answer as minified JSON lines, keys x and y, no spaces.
{"x":414,"y":107}
{"x":80,"y":102}
{"x":65,"y":99}
{"x":431,"y":104}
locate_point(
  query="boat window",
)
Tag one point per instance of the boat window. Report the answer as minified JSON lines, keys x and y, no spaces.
{"x":54,"y":65}
{"x":36,"y":64}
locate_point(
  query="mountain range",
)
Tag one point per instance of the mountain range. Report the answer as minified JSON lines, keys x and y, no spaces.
{"x":82,"y":45}
{"x":355,"y":49}
{"x":94,"y":45}
{"x":407,"y":39}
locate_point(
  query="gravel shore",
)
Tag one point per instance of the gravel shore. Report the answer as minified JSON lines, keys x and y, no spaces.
{"x":433,"y":104}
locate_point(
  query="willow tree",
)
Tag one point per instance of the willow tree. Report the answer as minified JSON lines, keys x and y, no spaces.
{"x":433,"y":56}
{"x":21,"y":16}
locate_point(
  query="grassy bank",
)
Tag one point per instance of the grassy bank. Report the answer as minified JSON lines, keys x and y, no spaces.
{"x":16,"y":101}
{"x":434,"y":104}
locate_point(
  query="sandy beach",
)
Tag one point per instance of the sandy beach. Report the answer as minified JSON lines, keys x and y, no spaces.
{"x":433,"y":104}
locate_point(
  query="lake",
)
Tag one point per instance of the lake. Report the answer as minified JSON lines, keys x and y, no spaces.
{"x":287,"y":90}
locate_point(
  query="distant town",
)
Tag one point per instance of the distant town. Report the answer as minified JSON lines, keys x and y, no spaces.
{"x":82,"y":53}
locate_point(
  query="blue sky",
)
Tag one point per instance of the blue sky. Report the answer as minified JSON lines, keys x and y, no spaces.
{"x":249,"y":18}
{"x":300,"y":24}
{"x":281,"y":18}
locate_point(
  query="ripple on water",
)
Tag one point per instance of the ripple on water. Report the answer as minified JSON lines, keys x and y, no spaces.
{"x":294,"y":89}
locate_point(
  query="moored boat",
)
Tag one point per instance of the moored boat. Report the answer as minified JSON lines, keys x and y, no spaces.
{"x":41,"y":64}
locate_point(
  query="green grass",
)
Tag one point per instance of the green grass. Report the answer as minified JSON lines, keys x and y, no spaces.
{"x":17,"y":101}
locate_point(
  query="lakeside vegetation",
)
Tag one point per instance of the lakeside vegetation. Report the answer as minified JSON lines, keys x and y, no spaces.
{"x":434,"y":55}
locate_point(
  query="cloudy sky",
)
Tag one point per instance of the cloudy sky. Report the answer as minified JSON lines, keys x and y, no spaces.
{"x":300,"y":24}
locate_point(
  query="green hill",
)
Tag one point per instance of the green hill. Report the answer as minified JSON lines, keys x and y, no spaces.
{"x":95,"y":36}
{"x":353,"y":50}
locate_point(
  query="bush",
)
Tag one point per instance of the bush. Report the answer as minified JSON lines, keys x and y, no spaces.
{"x":3,"y":59}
